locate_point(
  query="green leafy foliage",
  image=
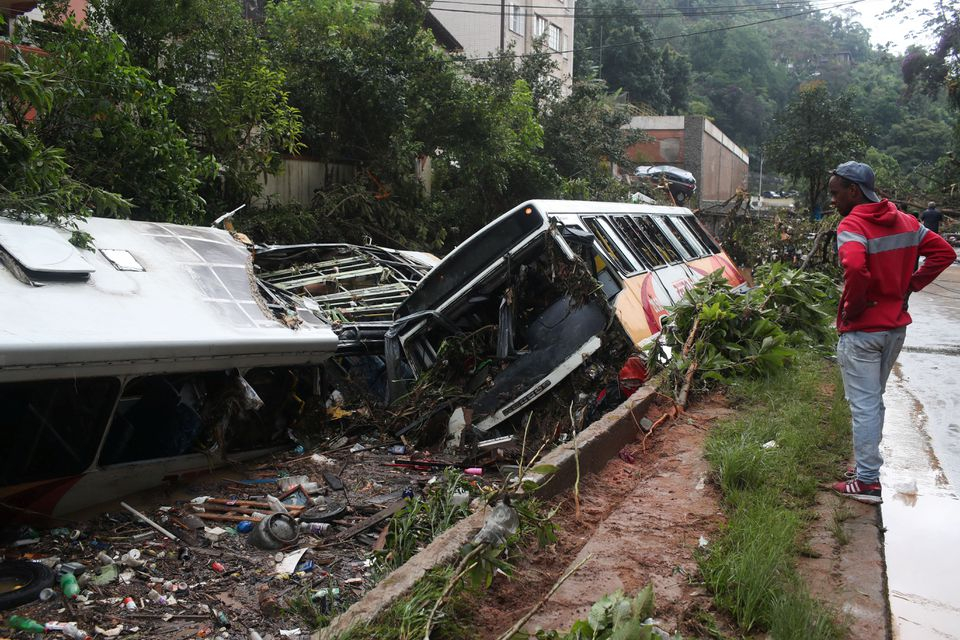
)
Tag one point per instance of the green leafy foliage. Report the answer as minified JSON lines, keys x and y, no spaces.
{"x":423,"y":519}
{"x":36,"y":180}
{"x":113,"y":122}
{"x":814,"y":133}
{"x":615,"y":616}
{"x":228,"y":94}
{"x":751,"y":334}
{"x":768,"y":493}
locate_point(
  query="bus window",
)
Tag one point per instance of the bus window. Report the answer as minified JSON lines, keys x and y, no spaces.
{"x":702,"y":234}
{"x":686,"y":247}
{"x":684,"y":233}
{"x":52,"y":428}
{"x":613,"y":253}
{"x":633,"y":238}
{"x":658,"y":238}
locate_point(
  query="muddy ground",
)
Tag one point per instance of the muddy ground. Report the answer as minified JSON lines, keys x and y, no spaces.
{"x":641,"y":521}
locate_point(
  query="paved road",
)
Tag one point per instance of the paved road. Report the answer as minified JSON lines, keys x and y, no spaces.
{"x":921,"y":474}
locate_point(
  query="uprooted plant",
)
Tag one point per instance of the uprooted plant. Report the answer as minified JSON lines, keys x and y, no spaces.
{"x":613,"y":616}
{"x":714,"y":333}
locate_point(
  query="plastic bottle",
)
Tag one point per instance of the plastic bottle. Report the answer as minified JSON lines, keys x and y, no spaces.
{"x":69,"y":586}
{"x":314,"y":527}
{"x":25,"y":624}
{"x":69,"y":629}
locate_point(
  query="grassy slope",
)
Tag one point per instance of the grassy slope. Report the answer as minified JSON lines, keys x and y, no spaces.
{"x":768,"y":495}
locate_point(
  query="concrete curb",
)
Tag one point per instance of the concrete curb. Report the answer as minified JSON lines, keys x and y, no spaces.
{"x":597,"y":444}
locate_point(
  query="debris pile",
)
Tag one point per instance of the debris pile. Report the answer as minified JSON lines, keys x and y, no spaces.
{"x":273,"y":553}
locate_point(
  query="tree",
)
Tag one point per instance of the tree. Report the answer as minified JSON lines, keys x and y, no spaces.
{"x":813,"y":134}
{"x":113,"y":122}
{"x":229,"y":96}
{"x":584,"y":134}
{"x":615,"y":44}
{"x":36,"y":185}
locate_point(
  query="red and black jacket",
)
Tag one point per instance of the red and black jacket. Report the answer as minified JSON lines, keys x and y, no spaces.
{"x":879,"y":249}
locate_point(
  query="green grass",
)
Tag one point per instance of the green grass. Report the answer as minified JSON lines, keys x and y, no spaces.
{"x":768,"y":496}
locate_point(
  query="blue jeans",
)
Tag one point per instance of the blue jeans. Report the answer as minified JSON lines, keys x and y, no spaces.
{"x":866,"y":358}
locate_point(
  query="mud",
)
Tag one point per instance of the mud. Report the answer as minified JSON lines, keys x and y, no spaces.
{"x":642,"y":523}
{"x":639,"y":523}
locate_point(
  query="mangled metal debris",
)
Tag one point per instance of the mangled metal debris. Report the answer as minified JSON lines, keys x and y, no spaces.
{"x":546,"y":290}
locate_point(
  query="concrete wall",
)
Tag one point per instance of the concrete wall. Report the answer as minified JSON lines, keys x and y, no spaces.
{"x":697,"y":145}
{"x":723,"y":165}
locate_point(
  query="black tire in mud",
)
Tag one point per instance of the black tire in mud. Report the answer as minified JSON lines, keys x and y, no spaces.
{"x":27,"y":579}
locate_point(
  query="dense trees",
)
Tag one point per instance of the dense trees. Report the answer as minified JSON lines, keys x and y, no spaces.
{"x":814,"y":133}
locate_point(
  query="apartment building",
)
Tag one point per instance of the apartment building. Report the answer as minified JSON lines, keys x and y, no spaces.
{"x":484,"y":27}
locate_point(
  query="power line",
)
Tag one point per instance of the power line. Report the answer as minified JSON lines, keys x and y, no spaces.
{"x":679,"y":35}
{"x":585,"y":14}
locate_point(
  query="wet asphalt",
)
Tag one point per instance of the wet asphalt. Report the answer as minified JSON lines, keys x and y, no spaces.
{"x":921,"y":472}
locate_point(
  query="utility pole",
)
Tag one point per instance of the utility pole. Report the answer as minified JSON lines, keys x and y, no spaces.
{"x":503,"y":30}
{"x":760,"y":187}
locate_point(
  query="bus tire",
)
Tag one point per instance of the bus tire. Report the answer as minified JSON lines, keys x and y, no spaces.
{"x":33,"y":577}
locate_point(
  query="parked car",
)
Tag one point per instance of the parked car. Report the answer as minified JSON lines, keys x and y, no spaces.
{"x":770,"y":194}
{"x":680,"y":182}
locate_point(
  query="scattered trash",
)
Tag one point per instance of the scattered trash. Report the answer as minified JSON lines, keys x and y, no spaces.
{"x":322,"y":461}
{"x":703,"y":542}
{"x":244,"y":526}
{"x":290,"y":633}
{"x":771,"y":444}
{"x":108,"y":573}
{"x":274,"y":532}
{"x":69,"y":586}
{"x":213,"y":534}
{"x":288,"y":564}
{"x":129,"y":604}
{"x":501,"y":522}
{"x":131,"y":559}
{"x":25,"y":624}
{"x":109,"y":633}
{"x":626,"y":456}
{"x":907,"y":487}
{"x":218,"y":567}
{"x":47,"y":594}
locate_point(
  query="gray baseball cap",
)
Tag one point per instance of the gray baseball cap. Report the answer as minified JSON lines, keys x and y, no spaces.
{"x":861,"y":174}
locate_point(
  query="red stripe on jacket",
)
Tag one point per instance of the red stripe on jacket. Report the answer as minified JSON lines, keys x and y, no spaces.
{"x":879,"y":249}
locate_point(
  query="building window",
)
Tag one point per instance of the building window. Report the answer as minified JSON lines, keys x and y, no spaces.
{"x":516,"y":19}
{"x":540,"y":27}
{"x":566,"y":47}
{"x":553,"y":40}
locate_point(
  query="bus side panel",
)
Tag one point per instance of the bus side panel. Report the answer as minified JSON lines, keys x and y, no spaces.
{"x":706,"y":266}
{"x":639,"y":308}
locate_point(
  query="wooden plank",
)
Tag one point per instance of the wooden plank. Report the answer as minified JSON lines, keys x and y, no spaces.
{"x":377,"y":518}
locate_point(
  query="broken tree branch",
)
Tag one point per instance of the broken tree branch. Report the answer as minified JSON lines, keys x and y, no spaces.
{"x":465,"y":565}
{"x":526,"y":618}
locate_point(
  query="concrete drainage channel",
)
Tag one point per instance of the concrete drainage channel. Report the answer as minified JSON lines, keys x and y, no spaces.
{"x":597,"y":444}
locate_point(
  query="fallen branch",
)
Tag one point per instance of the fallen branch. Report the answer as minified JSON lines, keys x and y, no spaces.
{"x":526,"y":618}
{"x":463,"y":567}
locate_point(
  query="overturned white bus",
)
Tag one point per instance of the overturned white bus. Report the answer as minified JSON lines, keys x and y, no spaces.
{"x":166,"y":350}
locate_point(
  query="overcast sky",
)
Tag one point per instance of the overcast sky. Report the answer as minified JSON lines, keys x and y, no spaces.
{"x":901,"y":30}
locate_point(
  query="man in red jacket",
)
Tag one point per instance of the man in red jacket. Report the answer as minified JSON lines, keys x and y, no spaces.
{"x":880,"y":248}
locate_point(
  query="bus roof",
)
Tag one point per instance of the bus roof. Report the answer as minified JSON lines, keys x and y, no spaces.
{"x":148,"y":298}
